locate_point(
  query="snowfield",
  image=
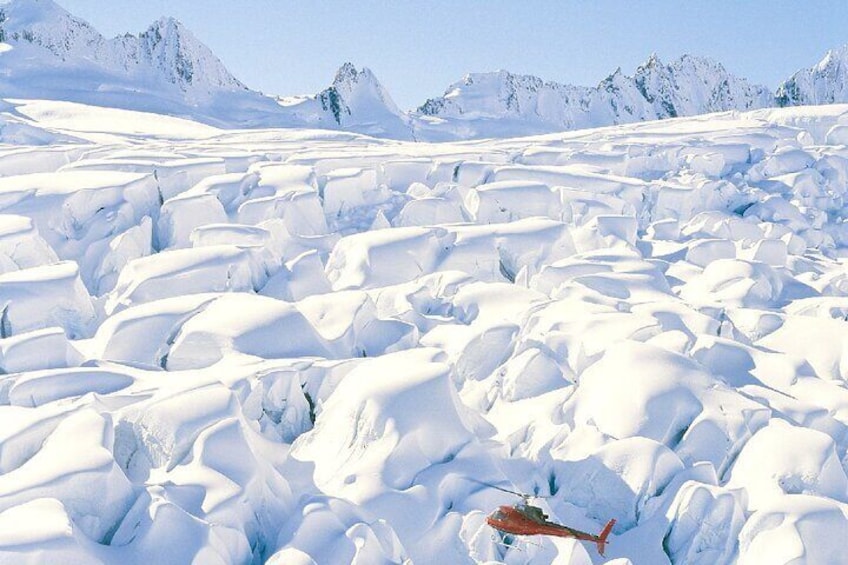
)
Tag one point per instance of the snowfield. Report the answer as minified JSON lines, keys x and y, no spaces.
{"x":300,"y":346}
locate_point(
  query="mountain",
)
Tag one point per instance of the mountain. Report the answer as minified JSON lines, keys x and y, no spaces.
{"x":47,"y":53}
{"x":177,"y":56}
{"x":823,"y":83}
{"x":355,"y":101}
{"x":166,"y":50}
{"x":685,"y":87}
{"x":487,"y":104}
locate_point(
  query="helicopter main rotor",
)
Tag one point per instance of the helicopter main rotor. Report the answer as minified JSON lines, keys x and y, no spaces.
{"x":525,"y":497}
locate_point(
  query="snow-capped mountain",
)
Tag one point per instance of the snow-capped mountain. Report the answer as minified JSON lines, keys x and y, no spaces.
{"x":823,"y":83}
{"x":695,"y":85}
{"x":355,"y":101}
{"x":47,"y":53}
{"x":165,"y":51}
{"x":502,"y":98}
{"x":176,"y":55}
{"x":684,"y":87}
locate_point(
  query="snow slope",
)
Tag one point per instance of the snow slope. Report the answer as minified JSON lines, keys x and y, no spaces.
{"x":303,"y":346}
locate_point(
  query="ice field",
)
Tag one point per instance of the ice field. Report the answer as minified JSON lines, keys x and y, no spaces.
{"x":303,"y":346}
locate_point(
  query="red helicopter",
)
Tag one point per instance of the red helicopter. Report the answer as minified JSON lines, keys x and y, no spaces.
{"x":524,"y":519}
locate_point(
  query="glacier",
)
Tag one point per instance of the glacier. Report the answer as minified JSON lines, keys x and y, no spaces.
{"x":302,"y":346}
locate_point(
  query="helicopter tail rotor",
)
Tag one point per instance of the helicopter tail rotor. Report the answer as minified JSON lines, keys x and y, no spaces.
{"x":602,"y":537}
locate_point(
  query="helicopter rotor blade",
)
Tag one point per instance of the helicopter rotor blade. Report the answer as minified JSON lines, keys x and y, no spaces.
{"x":506,"y":490}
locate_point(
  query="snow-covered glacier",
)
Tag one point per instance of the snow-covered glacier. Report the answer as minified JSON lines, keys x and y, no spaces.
{"x":304,"y":346}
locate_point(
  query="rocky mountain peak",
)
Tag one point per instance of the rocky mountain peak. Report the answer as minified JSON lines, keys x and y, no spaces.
{"x":824,"y":83}
{"x":356,"y":91}
{"x":182,"y":59}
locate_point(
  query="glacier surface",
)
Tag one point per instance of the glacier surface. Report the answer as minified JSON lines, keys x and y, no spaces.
{"x":303,"y":346}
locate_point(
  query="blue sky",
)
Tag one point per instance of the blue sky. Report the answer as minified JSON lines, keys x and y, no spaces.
{"x":417,"y":49}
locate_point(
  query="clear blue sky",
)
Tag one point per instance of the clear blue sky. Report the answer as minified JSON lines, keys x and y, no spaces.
{"x":418,"y":48}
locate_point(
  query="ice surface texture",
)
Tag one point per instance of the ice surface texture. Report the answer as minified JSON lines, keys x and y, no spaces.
{"x":299,"y":346}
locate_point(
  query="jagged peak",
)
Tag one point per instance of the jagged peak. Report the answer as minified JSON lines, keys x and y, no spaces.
{"x":42,"y":18}
{"x":684,"y":62}
{"x":656,"y":65}
{"x":833,"y":56}
{"x":349,"y":77}
{"x":822,"y":83}
{"x":347,"y":73}
{"x":653,"y":61}
{"x":614,"y":77}
{"x":175,"y":50}
{"x":502,"y":79}
{"x":355,"y":88}
{"x":168,"y":22}
{"x":167,"y":27}
{"x":698,"y":61}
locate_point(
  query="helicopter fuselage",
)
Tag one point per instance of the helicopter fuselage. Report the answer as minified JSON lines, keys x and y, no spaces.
{"x":528,"y":520}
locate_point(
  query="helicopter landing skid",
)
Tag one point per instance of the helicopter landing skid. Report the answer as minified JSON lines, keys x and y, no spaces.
{"x":516,"y":544}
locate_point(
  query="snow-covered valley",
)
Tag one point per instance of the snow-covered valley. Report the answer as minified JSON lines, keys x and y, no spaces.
{"x":298,"y":346}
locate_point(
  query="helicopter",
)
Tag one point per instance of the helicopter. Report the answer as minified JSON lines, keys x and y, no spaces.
{"x":525,"y":519}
